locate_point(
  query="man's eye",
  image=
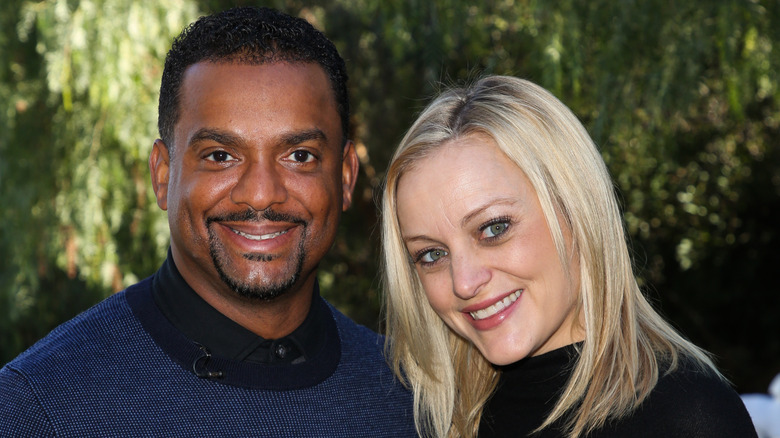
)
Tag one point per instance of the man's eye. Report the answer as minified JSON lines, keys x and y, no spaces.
{"x":219,"y":156}
{"x":432,"y":255}
{"x":495,"y":229}
{"x":302,"y":156}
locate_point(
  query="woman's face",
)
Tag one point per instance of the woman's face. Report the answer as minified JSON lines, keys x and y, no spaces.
{"x":480,"y":244}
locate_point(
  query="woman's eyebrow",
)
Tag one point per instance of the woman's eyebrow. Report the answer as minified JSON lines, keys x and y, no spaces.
{"x":482,"y":207}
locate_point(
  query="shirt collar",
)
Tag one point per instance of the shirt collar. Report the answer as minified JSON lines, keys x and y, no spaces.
{"x":205,"y":325}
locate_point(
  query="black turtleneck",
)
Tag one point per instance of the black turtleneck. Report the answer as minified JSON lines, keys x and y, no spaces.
{"x":527,"y":391}
{"x":221,"y":336}
{"x":686,"y":403}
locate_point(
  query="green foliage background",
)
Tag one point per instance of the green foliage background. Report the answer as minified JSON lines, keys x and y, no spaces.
{"x":682,"y":97}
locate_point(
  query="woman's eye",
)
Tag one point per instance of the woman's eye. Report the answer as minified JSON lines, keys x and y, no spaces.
{"x":219,"y":156}
{"x":302,"y":156}
{"x":432,"y":255}
{"x":494,"y":230}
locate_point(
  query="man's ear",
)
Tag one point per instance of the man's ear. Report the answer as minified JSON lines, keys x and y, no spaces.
{"x":349,"y":173}
{"x":160,"y":168}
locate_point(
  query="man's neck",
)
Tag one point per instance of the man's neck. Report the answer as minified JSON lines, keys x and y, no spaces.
{"x":203,"y":324}
{"x":270,"y":319}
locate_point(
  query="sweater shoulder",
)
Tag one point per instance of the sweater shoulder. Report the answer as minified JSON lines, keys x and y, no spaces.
{"x":21,"y":413}
{"x":363,"y":359}
{"x":354,"y":335}
{"x":693,"y":401}
{"x":95,"y":330}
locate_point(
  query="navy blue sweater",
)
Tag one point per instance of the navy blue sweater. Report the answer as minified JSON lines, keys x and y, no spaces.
{"x":121,"y":369}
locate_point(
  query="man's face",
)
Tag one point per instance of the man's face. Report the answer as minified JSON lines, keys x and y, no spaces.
{"x":257,"y":178}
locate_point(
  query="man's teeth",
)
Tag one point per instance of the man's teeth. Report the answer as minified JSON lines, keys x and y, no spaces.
{"x":263,"y":237}
{"x":495,"y":308}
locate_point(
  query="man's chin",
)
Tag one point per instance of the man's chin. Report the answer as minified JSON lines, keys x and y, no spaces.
{"x":260,"y":294}
{"x":257,"y":276}
{"x":258,"y":285}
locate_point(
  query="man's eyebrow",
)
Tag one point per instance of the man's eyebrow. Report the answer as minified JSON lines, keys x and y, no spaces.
{"x":230,"y":139}
{"x":299,"y":137}
{"x":216,"y":135}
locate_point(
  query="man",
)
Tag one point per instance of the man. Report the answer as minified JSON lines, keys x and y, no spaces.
{"x":230,"y":336}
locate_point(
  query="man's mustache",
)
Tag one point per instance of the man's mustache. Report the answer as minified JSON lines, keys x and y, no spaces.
{"x":250,"y":215}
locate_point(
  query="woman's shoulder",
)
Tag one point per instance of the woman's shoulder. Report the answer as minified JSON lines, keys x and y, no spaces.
{"x":692,"y":400}
{"x":694,"y":386}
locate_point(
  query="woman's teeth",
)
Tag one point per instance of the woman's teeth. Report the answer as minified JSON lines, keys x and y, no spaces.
{"x":495,"y":308}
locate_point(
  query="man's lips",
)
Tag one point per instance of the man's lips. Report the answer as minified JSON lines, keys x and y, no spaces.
{"x":256,"y":236}
{"x":258,"y":231}
{"x":480,"y":311}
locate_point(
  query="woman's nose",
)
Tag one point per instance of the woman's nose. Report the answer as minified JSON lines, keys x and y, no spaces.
{"x":469,"y":275}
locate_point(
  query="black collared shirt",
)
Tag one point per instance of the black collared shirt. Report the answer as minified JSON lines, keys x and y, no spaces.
{"x":223,"y":337}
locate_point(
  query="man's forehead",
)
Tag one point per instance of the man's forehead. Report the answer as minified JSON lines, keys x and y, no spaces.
{"x":272,"y":99}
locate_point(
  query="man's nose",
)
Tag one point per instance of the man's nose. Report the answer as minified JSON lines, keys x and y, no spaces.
{"x":259,"y":186}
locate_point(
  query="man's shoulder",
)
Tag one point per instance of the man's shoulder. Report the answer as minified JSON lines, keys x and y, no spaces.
{"x":72,"y":356}
{"x":94,"y":329}
{"x":362,"y":353}
{"x":20,"y":411}
{"x":354,"y":334}
{"x":364,"y":380}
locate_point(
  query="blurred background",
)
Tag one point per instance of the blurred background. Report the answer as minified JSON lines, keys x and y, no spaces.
{"x":683,"y":99}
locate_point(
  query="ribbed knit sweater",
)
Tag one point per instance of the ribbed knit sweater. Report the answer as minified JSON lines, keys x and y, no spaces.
{"x":121,"y":369}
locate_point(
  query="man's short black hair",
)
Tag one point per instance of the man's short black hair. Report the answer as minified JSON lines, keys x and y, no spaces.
{"x":252,"y":36}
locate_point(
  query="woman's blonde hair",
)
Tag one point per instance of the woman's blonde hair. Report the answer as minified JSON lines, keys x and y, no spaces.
{"x":626,"y":341}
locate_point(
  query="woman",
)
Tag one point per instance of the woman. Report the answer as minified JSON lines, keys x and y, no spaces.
{"x":511,"y":303}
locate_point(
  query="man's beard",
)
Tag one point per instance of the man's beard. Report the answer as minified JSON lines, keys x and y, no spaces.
{"x":256,"y":290}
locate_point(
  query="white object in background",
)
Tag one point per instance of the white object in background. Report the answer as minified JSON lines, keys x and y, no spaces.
{"x":764,"y":410}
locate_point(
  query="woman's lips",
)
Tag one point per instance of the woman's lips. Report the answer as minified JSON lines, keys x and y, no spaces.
{"x":495,"y":308}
